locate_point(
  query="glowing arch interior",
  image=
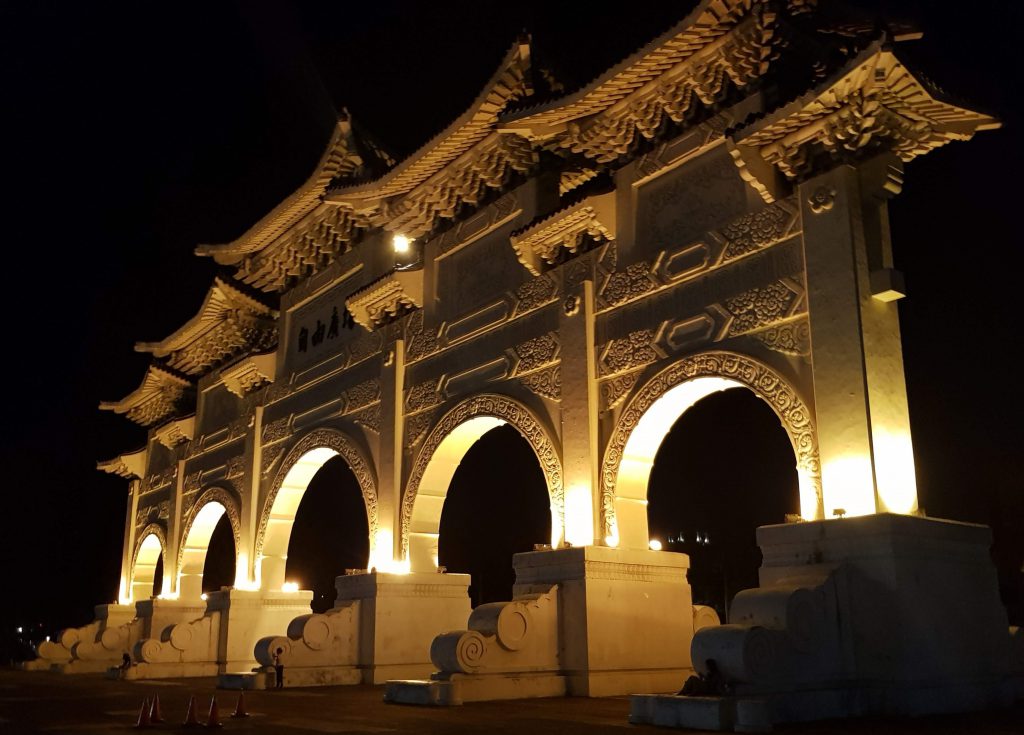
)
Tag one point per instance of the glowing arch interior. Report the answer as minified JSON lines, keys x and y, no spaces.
{"x":642,"y":446}
{"x":282,"y":515}
{"x":196,"y":546}
{"x":144,"y":571}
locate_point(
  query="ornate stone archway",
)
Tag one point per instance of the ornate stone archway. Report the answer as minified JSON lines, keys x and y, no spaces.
{"x":335,"y":443}
{"x":505,"y":410}
{"x":734,"y":370}
{"x":225,"y":499}
{"x":152,"y":530}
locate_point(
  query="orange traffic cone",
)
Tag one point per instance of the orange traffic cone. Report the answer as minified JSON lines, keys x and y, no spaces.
{"x":190,"y":717}
{"x":155,"y":716}
{"x":143,"y":715}
{"x":240,"y":706}
{"x":213,"y":719}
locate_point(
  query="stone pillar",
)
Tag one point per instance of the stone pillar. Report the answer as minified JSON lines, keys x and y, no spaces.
{"x":860,"y":396}
{"x":247,"y":571}
{"x":580,"y":450}
{"x":175,"y":522}
{"x":124,"y":592}
{"x":386,"y":547}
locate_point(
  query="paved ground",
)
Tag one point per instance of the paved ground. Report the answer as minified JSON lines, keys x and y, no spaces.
{"x":51,"y":703}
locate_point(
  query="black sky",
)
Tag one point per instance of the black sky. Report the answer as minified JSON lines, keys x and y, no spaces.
{"x":132,"y":133}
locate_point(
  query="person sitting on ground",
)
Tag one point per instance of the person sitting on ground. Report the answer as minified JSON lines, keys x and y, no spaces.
{"x":710,"y":684}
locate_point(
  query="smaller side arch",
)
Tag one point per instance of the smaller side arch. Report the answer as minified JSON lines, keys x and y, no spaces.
{"x":203,"y":517}
{"x":444,"y":448}
{"x":653,"y":409}
{"x":149,"y":550}
{"x":302,"y":462}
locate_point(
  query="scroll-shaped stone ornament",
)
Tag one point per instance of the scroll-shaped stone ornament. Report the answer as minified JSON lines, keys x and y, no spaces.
{"x":327,"y":639}
{"x":516,"y":636}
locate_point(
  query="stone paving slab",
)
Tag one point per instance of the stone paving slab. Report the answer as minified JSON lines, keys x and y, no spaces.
{"x":52,"y":703}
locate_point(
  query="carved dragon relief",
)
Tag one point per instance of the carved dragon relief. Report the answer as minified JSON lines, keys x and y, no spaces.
{"x":794,"y":414}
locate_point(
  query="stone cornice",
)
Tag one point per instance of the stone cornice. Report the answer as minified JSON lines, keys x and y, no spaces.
{"x":509,"y":83}
{"x":228,"y":323}
{"x":709,"y":21}
{"x":131,"y":465}
{"x":386,"y":298}
{"x":162,"y":394}
{"x":544,"y":242}
{"x":176,"y":431}
{"x":250,"y":373}
{"x":874,"y":103}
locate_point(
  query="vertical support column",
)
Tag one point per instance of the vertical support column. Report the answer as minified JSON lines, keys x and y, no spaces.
{"x":386,"y":547}
{"x":579,"y":415}
{"x":247,"y":571}
{"x":125,"y":591}
{"x":175,"y":522}
{"x":895,"y":477}
{"x":857,"y":363}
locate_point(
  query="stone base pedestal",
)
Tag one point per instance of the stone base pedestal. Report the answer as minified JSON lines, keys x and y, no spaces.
{"x":588,"y":621}
{"x":92,"y":647}
{"x":876,"y":615}
{"x":221,"y":640}
{"x":380,"y":628}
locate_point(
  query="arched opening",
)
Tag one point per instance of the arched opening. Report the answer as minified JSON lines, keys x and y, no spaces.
{"x":496,"y":505}
{"x":147,"y":573}
{"x":725,"y":467}
{"x":444,"y":449}
{"x":330,"y":533}
{"x":331,"y":519}
{"x":220,"y":567}
{"x":206,"y":550}
{"x":654,"y":409}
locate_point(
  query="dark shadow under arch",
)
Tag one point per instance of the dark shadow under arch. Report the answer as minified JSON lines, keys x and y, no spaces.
{"x":725,"y":468}
{"x":497,"y":505}
{"x":330,"y":533}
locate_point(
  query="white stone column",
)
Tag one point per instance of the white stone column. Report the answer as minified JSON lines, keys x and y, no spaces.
{"x":124,"y":591}
{"x":580,"y":451}
{"x":247,"y":571}
{"x":859,"y":391}
{"x":385,"y":548}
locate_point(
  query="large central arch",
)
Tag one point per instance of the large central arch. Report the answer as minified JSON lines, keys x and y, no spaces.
{"x":661,"y":401}
{"x":304,"y":460}
{"x":202,"y":519}
{"x":440,"y":455}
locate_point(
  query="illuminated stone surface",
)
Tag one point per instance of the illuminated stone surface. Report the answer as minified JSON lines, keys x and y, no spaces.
{"x":678,"y":236}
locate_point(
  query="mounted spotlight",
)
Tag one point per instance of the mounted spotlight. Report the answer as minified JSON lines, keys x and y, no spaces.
{"x":400,"y":244}
{"x":655,"y":545}
{"x":407,"y":251}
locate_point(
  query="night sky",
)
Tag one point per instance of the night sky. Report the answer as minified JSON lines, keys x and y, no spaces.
{"x":133,"y":133}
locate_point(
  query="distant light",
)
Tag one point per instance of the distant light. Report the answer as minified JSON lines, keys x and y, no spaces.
{"x":20,"y":630}
{"x":655,"y":545}
{"x":204,"y":597}
{"x":290,"y":587}
{"x":400,"y":243}
{"x":47,"y":639}
{"x":611,"y":540}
